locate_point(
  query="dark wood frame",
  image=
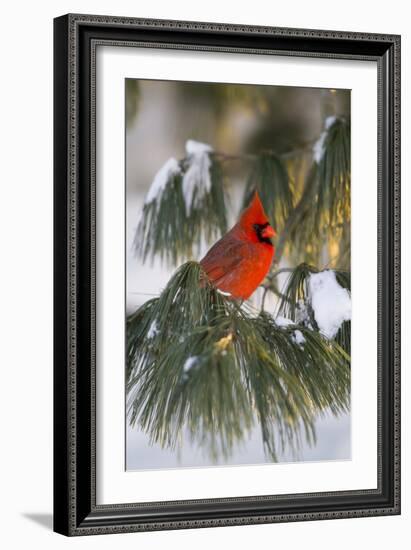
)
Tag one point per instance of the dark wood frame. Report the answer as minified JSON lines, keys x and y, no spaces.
{"x":76,"y":38}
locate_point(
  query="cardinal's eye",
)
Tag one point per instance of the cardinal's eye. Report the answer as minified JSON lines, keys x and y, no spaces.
{"x":258,"y":227}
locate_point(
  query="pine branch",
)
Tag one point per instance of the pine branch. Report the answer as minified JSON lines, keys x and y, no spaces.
{"x":198,"y":361}
{"x":334,"y":172}
{"x":323,"y":210}
{"x":271,"y":285}
{"x":289,"y":154}
{"x":173,"y":224}
{"x":297,"y":213}
{"x":296,"y":302}
{"x":270,"y":178}
{"x":176,"y":222}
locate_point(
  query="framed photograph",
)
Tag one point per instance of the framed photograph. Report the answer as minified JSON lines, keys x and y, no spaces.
{"x":227,"y":277}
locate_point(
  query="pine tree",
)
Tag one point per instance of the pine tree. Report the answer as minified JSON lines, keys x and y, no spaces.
{"x":199,"y":363}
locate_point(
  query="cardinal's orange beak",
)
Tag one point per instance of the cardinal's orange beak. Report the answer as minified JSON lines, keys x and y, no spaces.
{"x":268,"y":232}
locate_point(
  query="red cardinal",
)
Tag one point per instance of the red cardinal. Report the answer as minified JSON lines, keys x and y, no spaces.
{"x":240,"y":260}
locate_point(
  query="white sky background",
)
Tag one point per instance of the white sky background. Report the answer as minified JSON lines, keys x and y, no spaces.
{"x":158,"y":133}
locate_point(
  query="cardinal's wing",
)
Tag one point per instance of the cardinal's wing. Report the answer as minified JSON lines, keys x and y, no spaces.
{"x":224,"y":258}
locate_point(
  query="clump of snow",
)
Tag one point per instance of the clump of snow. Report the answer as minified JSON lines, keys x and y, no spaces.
{"x":153,"y":330}
{"x":196,"y":147}
{"x":197,"y":179}
{"x":283,"y":321}
{"x":190,"y":362}
{"x":169,"y":169}
{"x":330,"y":302}
{"x":318,"y":147}
{"x":297,"y":336}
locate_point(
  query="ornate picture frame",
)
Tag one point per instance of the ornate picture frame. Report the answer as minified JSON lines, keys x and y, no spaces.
{"x":76,"y":40}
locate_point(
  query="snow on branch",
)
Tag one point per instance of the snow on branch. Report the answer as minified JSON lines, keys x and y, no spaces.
{"x":197,"y":178}
{"x":319,"y":300}
{"x":330,"y":302}
{"x":297,"y":335}
{"x":184,"y":206}
{"x":170,"y":169}
{"x":323,"y":212}
{"x":197,"y":361}
{"x":319,"y":145}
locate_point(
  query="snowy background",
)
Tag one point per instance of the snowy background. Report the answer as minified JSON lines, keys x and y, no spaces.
{"x":161,"y":118}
